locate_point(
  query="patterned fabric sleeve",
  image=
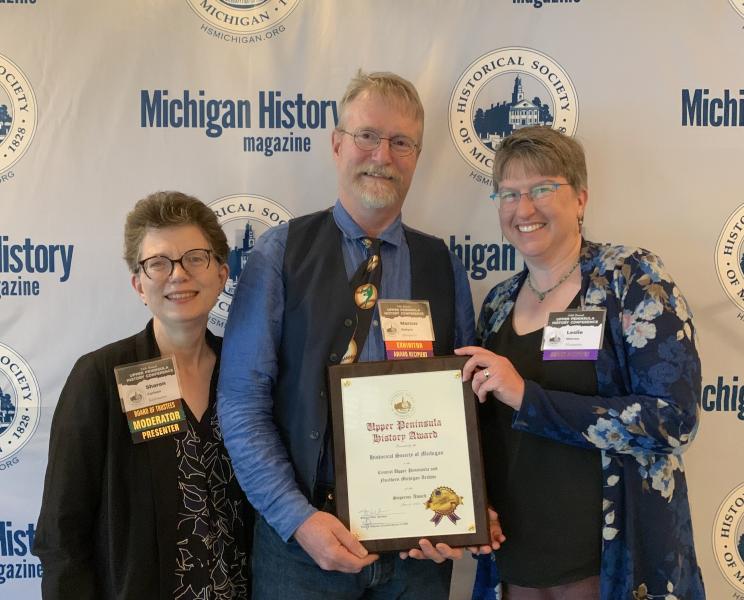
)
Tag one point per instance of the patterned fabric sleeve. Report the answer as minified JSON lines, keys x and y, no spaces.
{"x":496,"y":307}
{"x":648,"y":375}
{"x":653,"y":407}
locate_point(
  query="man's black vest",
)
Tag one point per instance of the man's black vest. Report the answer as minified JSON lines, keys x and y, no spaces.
{"x":319,"y":320}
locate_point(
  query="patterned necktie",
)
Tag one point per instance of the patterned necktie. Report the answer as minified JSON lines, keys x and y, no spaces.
{"x":365,"y":286}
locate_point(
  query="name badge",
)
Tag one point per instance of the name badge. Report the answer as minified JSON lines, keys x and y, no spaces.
{"x":573,"y":334}
{"x":406,"y":328}
{"x":151,"y":398}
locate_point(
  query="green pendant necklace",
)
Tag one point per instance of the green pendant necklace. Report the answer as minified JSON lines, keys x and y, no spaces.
{"x":541,"y":294}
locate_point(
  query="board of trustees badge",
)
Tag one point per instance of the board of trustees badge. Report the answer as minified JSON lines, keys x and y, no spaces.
{"x":151,"y":398}
{"x":444,"y":501}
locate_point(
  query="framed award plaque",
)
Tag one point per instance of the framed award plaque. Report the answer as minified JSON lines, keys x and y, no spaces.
{"x":407,"y":453}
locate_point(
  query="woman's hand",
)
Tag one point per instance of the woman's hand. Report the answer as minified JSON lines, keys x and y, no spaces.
{"x":492,"y":373}
{"x":497,"y":536}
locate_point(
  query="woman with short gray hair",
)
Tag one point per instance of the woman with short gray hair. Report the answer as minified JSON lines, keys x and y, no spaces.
{"x":140,"y":499}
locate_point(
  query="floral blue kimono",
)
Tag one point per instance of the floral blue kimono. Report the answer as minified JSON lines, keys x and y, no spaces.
{"x":645,"y":416}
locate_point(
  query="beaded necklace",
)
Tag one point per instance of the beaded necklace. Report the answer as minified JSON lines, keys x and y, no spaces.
{"x":541,"y":294}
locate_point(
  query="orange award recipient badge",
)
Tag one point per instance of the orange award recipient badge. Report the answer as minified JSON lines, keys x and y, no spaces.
{"x":444,"y":501}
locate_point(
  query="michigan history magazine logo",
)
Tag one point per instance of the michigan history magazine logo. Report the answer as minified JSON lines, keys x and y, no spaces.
{"x":505,"y":90}
{"x":17,"y":115}
{"x":728,"y":538}
{"x":16,"y":561}
{"x":730,"y":257}
{"x":243,"y":21}
{"x":738,"y":6}
{"x":19,"y":402}
{"x":244,"y":217}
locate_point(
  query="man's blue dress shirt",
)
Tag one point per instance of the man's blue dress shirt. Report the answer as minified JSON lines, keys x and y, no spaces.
{"x":249,"y":364}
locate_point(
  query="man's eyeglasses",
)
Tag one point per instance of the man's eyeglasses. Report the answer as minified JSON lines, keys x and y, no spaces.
{"x":368,"y":140}
{"x":537,"y":193}
{"x":159,"y":268}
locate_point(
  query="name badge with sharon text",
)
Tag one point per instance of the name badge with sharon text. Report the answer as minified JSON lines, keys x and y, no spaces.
{"x":151,"y":398}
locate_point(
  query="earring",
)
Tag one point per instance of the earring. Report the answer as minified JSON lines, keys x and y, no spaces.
{"x":581,"y":221}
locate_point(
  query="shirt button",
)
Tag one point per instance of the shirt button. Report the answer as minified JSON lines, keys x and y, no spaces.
{"x":348,"y":322}
{"x":334,"y":357}
{"x":322,"y":394}
{"x":314,"y":435}
{"x":375,"y":322}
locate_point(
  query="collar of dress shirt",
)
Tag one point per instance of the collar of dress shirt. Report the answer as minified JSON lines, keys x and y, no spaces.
{"x":392,"y":235}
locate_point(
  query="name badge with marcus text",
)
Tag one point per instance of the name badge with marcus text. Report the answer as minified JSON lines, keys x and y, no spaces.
{"x":406,"y":328}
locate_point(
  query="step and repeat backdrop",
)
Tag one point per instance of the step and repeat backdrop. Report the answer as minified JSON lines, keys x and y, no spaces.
{"x":234,"y":101}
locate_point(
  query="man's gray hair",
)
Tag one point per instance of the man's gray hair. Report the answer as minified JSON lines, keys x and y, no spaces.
{"x":386,"y":85}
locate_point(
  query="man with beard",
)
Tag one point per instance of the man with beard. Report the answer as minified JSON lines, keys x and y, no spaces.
{"x":295,"y":312}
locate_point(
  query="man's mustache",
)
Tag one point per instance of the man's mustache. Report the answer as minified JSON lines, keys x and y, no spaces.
{"x":378,"y":171}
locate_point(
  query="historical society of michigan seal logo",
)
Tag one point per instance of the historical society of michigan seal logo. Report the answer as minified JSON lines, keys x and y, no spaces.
{"x":17,"y":113}
{"x":738,"y":6}
{"x":246,"y":17}
{"x":19,"y":402}
{"x":402,"y":404}
{"x":728,"y":538}
{"x":244,"y":218}
{"x":505,"y":90}
{"x":730,"y":257}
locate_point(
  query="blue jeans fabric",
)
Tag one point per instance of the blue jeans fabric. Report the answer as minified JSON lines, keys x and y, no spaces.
{"x":284,"y":570}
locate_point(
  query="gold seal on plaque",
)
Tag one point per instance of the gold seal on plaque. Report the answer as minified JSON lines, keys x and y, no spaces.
{"x":443,"y":501}
{"x":402,"y":403}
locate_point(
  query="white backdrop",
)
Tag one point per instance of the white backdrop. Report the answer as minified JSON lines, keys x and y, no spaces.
{"x":652,"y":89}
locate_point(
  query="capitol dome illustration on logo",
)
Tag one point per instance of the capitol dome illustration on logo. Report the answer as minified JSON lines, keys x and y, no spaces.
{"x":17,"y":113}
{"x":505,"y":90}
{"x":6,"y":117}
{"x":19,"y":401}
{"x":244,"y":218}
{"x":240,"y":248}
{"x":493,"y":121}
{"x":8,"y":403}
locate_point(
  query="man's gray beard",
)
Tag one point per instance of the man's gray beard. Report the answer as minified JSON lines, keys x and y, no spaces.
{"x":379,"y":199}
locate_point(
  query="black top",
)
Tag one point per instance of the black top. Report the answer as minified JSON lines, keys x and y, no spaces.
{"x":213,"y":532}
{"x":108,"y":521}
{"x":548,"y":495}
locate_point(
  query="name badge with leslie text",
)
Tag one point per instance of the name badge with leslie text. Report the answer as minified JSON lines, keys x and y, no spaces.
{"x":151,"y":398}
{"x":573,"y":334}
